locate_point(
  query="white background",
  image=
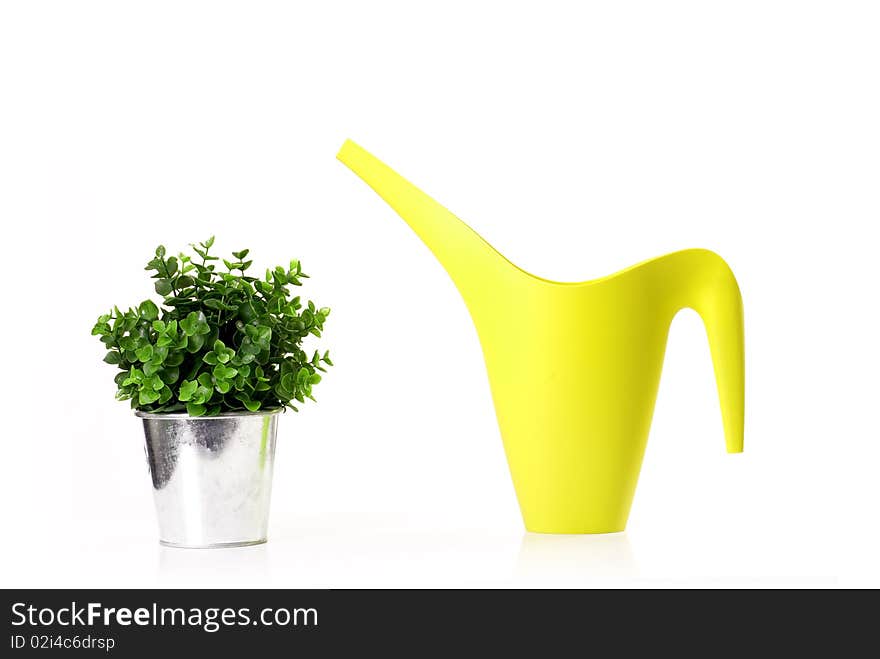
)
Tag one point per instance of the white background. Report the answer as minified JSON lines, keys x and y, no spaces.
{"x":577,"y":138}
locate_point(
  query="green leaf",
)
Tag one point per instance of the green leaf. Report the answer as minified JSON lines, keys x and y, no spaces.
{"x":174,"y":359}
{"x":203,"y":395}
{"x":159,"y":354}
{"x":113,"y":357}
{"x":145,"y":354}
{"x":169,"y":375}
{"x":222,"y":372}
{"x":160,"y":252}
{"x":147,"y":396}
{"x":187,"y":389}
{"x":193,"y":322}
{"x":195,"y":342}
{"x":251,"y":405}
{"x":195,"y":409}
{"x":148,"y":310}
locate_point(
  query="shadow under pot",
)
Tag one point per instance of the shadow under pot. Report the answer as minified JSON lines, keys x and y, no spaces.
{"x":212,"y":477}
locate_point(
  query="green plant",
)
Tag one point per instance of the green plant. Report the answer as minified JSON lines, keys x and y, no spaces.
{"x":220,"y":341}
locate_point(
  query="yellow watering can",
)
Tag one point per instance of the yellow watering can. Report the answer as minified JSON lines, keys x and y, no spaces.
{"x":574,"y":367}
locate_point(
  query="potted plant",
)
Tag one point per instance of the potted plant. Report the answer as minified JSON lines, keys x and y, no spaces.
{"x":208,"y":369}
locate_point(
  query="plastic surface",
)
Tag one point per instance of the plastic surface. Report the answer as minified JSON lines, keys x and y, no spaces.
{"x":574,"y":367}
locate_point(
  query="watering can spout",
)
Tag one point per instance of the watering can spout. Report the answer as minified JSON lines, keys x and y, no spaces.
{"x":468,"y":259}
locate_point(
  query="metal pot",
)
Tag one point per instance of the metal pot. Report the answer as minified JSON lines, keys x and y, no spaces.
{"x":212,"y":476}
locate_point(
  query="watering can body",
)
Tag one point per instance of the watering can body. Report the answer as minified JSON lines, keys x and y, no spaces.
{"x":574,"y":368}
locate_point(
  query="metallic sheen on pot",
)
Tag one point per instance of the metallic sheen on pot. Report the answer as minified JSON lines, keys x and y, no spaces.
{"x":212,"y":476}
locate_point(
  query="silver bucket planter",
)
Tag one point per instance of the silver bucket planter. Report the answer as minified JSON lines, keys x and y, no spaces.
{"x":212,"y":477}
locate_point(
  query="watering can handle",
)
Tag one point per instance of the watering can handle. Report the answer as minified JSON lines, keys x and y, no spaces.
{"x":701,"y":280}
{"x":707,"y":285}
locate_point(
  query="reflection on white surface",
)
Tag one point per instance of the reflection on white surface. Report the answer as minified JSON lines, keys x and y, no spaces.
{"x":357,"y":550}
{"x":233,"y":566}
{"x":564,"y":559}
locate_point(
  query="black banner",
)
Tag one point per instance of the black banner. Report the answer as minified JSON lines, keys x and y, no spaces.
{"x":121,"y":622}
